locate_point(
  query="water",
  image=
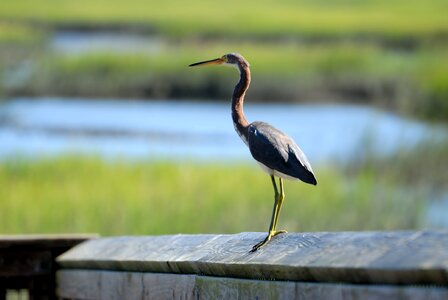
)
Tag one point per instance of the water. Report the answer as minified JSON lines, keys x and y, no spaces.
{"x":194,"y":130}
{"x":437,"y":212}
{"x":81,"y":42}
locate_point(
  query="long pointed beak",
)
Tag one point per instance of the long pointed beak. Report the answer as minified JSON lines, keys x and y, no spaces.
{"x":217,"y":61}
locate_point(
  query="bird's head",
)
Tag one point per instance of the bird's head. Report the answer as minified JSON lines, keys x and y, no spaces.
{"x":232,"y":59}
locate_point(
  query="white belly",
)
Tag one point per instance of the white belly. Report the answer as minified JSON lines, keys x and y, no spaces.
{"x":275,"y":172}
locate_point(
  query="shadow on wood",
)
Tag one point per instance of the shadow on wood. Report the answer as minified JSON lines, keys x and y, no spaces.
{"x":28,"y":262}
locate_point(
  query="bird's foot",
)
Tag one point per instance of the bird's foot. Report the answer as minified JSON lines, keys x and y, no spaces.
{"x":267,"y":239}
{"x":278,"y":232}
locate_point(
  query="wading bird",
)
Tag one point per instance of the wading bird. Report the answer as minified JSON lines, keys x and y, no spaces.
{"x":277,"y":153}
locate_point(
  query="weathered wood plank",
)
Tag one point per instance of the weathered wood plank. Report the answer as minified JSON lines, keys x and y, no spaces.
{"x":404,"y":257}
{"x":97,"y":284}
{"x":91,"y":284}
{"x":27,"y":262}
{"x":160,"y":286}
{"x":33,"y":255}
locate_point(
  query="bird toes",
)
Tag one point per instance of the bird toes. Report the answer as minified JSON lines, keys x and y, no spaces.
{"x":277,"y":232}
{"x":267,"y":239}
{"x":260,"y":244}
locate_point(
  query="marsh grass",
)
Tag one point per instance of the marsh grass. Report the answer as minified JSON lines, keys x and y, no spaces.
{"x":85,"y":194}
{"x":378,"y":19}
{"x":17,"y":33}
{"x":413,"y":83}
{"x":421,"y":167}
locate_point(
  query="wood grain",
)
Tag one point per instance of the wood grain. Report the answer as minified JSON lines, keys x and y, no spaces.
{"x":403,"y":257}
{"x":92,"y":284}
{"x":111,"y":285}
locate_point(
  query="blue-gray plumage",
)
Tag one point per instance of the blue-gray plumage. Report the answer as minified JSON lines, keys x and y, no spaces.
{"x":277,"y":153}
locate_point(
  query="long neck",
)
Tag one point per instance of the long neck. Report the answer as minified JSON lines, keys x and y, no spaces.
{"x":238,"y":117}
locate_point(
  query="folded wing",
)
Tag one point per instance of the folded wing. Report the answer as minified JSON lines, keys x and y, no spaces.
{"x":279,"y":152}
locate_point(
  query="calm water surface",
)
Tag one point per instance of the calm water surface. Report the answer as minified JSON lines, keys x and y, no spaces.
{"x":79,"y":42}
{"x":194,"y":130}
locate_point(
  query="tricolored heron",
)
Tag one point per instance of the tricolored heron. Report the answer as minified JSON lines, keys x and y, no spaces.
{"x":276,"y":152}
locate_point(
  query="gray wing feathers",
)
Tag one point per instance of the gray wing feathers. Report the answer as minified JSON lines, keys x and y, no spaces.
{"x":278,"y":151}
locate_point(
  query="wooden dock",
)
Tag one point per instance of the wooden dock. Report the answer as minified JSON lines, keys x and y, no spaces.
{"x":344,"y":265}
{"x":27,"y":262}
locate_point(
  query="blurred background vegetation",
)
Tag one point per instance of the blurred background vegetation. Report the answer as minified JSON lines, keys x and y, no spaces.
{"x":390,"y":55}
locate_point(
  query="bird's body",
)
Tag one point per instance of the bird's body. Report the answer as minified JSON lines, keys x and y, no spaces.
{"x":277,"y":153}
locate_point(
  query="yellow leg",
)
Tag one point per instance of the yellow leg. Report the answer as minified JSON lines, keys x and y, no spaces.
{"x":280,"y":197}
{"x":278,"y":201}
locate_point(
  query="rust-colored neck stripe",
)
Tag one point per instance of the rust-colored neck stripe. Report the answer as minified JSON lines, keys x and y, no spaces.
{"x":238,"y":117}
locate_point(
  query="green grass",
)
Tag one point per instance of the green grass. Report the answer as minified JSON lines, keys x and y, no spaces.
{"x":80,"y":194}
{"x":19,"y":34}
{"x":403,"y":19}
{"x":421,"y":167}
